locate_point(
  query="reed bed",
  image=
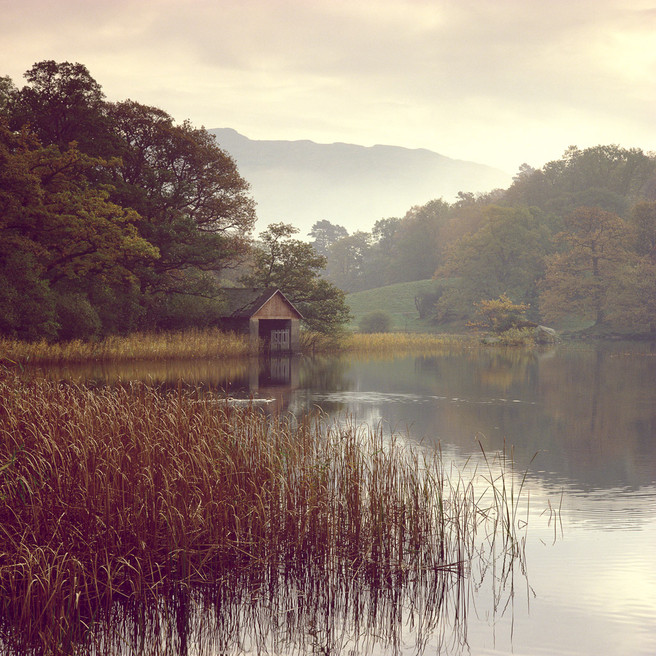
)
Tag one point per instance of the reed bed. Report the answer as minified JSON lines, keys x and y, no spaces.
{"x":398,"y":343}
{"x":187,"y":344}
{"x":132,"y":498}
{"x":211,"y":343}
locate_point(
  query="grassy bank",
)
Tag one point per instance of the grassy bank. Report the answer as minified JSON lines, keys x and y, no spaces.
{"x":398,"y":301}
{"x":405,"y":342}
{"x":126,"y":495}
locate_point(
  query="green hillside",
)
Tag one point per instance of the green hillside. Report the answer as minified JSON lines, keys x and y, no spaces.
{"x":396,"y":300}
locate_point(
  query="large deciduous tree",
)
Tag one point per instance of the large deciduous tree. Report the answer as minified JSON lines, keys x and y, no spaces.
{"x":182,"y":192}
{"x":62,"y":103}
{"x":593,"y":249}
{"x":504,"y":256}
{"x":194,"y":204}
{"x":609,"y":177}
{"x":324,"y":234}
{"x":58,"y":234}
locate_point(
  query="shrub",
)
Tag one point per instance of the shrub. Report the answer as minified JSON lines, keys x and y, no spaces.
{"x":375,"y":322}
{"x":501,"y":314}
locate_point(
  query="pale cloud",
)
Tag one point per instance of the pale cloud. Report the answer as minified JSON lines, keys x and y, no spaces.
{"x":498,"y":82}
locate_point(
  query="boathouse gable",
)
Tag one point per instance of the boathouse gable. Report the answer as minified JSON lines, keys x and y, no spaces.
{"x":266,"y":315}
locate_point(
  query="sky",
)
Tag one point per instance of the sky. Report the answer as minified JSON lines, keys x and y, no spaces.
{"x":499,"y":82}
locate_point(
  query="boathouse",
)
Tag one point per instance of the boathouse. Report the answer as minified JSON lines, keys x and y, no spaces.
{"x":264,"y":314}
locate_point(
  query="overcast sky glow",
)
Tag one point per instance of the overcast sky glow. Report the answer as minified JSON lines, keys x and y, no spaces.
{"x":500,"y":82}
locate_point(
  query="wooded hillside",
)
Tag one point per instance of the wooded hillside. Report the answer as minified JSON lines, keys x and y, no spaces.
{"x":114,"y":218}
{"x":576,"y":238}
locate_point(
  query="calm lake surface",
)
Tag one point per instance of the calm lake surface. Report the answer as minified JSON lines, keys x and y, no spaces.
{"x":580,"y":419}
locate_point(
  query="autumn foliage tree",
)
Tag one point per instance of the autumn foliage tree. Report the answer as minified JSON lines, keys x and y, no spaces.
{"x":500,"y":314}
{"x":580,"y":277}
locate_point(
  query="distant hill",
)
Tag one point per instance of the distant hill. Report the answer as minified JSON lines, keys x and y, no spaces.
{"x":301,"y":182}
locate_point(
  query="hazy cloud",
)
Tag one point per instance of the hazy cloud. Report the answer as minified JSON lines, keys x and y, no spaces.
{"x":497,"y":82}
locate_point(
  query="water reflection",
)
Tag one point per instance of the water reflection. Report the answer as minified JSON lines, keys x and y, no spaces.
{"x":308,"y":610}
{"x":589,"y":411}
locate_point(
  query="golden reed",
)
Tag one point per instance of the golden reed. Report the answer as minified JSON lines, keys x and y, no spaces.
{"x":125,"y":493}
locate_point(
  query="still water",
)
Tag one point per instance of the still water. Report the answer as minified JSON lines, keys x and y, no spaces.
{"x":578,"y":420}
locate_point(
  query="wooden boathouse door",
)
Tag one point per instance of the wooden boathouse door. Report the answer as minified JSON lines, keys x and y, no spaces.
{"x":280,"y":340}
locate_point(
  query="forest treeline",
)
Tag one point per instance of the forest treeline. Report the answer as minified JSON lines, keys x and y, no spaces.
{"x":575,"y":239}
{"x":113,"y":218}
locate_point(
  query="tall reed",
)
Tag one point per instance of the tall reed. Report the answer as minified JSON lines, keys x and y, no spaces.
{"x":206,"y":343}
{"x":128,"y":495}
{"x":386,"y":342}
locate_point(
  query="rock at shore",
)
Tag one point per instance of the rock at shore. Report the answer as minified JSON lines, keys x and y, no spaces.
{"x":545,"y":335}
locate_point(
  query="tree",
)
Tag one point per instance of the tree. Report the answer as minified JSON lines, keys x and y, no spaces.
{"x":62,"y":103}
{"x":579,"y":277}
{"x":500,"y":314}
{"x":293,"y":266}
{"x":347,"y":259}
{"x":632,"y":296}
{"x":324,"y":234}
{"x":643,"y":220}
{"x":184,"y":193}
{"x":65,"y":233}
{"x":608,"y":177}
{"x":504,"y":256}
{"x":417,"y":243}
{"x":633,"y":293}
{"x":8,"y":93}
{"x":382,"y":252}
{"x":194,"y":204}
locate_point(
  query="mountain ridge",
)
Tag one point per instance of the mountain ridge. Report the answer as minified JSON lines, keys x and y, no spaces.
{"x":301,"y":182}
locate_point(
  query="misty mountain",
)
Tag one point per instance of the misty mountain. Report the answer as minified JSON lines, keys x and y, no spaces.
{"x":301,"y":182}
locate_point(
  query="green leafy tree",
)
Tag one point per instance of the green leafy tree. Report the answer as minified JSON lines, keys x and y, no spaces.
{"x":643,"y":220}
{"x":8,"y":93}
{"x":65,"y":231}
{"x":347,"y":261}
{"x":293,"y":266}
{"x":379,"y":265}
{"x":504,"y":256}
{"x":62,"y":103}
{"x":608,"y":177}
{"x":632,"y":296}
{"x":417,"y":242}
{"x":324,"y":234}
{"x":194,"y":205}
{"x":181,"y":192}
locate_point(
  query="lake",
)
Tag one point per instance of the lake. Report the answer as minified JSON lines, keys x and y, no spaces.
{"x":578,"y":420}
